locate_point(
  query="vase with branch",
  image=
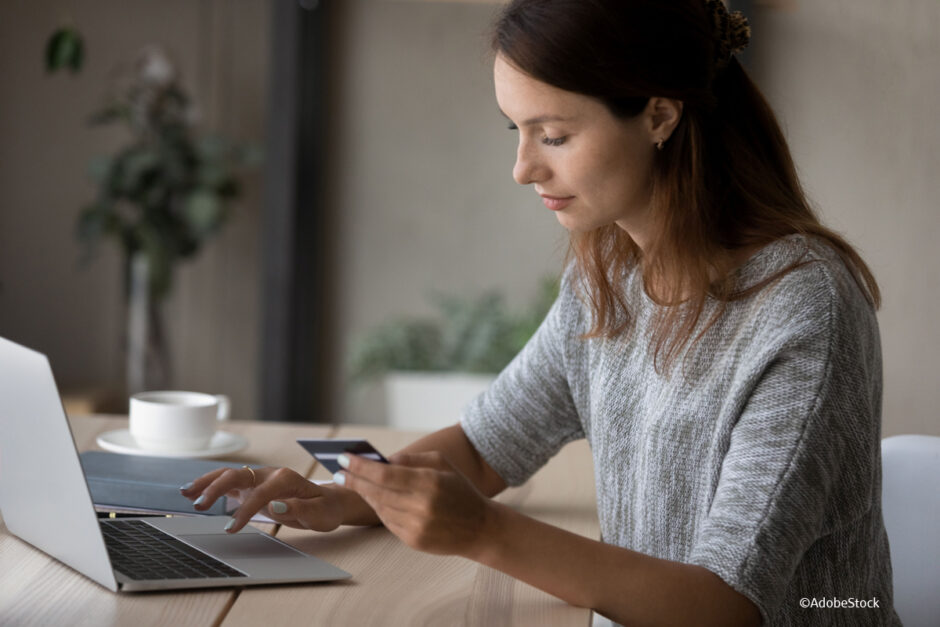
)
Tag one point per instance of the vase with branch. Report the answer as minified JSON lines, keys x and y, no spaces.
{"x":160,"y":197}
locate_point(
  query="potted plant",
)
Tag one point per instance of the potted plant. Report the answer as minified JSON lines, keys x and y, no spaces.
{"x":160,"y":197}
{"x":432,"y":367}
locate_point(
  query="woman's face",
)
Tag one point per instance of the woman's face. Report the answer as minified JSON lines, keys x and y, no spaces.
{"x":591,"y":168}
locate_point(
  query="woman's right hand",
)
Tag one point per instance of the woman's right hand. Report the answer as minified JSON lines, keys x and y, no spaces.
{"x":288,"y":498}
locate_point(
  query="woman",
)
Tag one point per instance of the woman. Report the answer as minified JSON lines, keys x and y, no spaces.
{"x":714,"y":343}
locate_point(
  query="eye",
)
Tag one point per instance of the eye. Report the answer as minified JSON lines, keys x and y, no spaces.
{"x":554,"y":141}
{"x":512,"y":126}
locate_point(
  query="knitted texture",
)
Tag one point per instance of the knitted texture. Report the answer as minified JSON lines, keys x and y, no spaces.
{"x":757,"y":457}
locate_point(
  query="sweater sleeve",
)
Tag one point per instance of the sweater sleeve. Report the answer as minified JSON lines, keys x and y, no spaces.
{"x":799,"y":464}
{"x":528,"y":413}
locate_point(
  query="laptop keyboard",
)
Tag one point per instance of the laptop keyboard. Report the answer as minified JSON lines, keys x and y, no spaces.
{"x":141,"y":551}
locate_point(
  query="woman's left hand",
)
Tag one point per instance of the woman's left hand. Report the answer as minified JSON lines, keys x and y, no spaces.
{"x":424,"y":500}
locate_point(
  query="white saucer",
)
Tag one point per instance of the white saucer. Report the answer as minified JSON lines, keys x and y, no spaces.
{"x":121,"y":441}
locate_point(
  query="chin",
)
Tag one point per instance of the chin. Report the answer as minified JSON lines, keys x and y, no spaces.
{"x":573,"y":224}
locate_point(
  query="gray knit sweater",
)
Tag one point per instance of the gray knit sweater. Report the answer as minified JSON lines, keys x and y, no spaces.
{"x":758,"y":458}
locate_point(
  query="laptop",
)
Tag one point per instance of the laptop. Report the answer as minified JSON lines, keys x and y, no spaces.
{"x":44,"y":500}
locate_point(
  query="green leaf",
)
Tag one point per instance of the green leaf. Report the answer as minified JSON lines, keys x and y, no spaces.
{"x":250,"y":156}
{"x":212,"y":147}
{"x":228,"y":189}
{"x":65,"y":49}
{"x":133,"y":165}
{"x":203,"y":212}
{"x":212,"y":174}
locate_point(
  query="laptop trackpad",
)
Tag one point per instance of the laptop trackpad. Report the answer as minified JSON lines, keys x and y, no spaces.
{"x":241,"y":546}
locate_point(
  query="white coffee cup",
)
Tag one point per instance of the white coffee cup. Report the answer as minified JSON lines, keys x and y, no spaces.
{"x":176,"y":421}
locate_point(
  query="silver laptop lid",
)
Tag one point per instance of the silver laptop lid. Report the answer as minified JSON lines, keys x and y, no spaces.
{"x":43,"y":495}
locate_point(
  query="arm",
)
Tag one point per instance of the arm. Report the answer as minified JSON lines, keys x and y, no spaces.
{"x":629,"y":587}
{"x":325,"y":507}
{"x":427,"y":503}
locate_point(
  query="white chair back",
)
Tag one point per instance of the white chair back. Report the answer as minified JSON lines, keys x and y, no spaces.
{"x":911,"y":503}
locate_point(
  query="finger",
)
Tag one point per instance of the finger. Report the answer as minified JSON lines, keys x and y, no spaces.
{"x":195,"y":487}
{"x":282,"y":511}
{"x":278,"y":485}
{"x":389,"y":476}
{"x":228,"y":480}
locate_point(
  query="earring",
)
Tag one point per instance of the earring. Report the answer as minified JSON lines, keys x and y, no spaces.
{"x":659,"y":144}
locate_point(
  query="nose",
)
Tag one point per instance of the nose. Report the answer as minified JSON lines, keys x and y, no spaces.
{"x":528,"y":168}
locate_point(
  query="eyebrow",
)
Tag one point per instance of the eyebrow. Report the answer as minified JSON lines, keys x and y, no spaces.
{"x":540,"y":119}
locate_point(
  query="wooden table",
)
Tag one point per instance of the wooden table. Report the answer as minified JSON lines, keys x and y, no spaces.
{"x":391,"y":585}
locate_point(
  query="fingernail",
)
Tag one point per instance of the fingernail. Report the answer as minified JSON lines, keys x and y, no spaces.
{"x":343,"y":460}
{"x":339,"y":478}
{"x":230,"y":524}
{"x":199,"y":501}
{"x":278,"y":507}
{"x":183,"y":488}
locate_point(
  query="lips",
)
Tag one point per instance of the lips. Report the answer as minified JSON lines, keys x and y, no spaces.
{"x":556,"y":203}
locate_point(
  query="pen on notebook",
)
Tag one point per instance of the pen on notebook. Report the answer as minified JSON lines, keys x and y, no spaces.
{"x":128,"y":515}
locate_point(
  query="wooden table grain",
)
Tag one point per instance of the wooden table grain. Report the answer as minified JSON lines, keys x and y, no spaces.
{"x":391,"y":585}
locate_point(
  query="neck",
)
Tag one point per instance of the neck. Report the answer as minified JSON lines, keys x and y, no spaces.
{"x":638,"y":230}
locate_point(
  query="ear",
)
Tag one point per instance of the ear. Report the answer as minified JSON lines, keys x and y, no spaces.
{"x":663,"y":115}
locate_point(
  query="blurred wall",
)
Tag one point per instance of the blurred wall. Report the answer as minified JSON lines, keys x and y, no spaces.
{"x":421,"y":167}
{"x":856,"y":85}
{"x":75,"y":314}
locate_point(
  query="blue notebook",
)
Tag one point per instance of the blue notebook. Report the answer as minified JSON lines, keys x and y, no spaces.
{"x":138,"y":483}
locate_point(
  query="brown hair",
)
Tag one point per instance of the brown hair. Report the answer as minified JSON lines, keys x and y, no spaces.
{"x":723,"y":182}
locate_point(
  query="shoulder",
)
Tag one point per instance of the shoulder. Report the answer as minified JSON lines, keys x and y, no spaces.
{"x":809,"y":281}
{"x":815,"y":309}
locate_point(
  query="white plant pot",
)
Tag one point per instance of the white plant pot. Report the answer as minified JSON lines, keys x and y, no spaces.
{"x":427,"y":401}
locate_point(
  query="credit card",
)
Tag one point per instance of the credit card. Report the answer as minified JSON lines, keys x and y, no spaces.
{"x":326,"y":451}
